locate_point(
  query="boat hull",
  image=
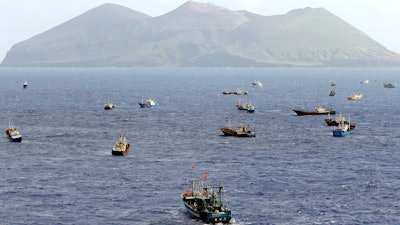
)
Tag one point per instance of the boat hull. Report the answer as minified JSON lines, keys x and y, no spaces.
{"x":312,"y":113}
{"x":240,"y":92}
{"x":208,"y":217}
{"x":353,"y":99}
{"x":15,"y":139}
{"x":341,"y":133}
{"x":144,"y":105}
{"x":251,"y":110}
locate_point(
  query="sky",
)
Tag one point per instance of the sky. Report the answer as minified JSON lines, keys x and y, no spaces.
{"x":23,"y":19}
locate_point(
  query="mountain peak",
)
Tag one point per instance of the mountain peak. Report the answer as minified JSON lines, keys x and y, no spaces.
{"x":197,"y":15}
{"x":197,"y":7}
{"x":309,"y":10}
{"x":116,"y":11}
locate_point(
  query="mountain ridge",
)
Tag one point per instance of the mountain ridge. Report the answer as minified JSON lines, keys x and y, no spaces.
{"x":201,"y":35}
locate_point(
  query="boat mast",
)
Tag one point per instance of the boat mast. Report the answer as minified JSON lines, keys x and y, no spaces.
{"x":220,"y":192}
{"x":192,"y":186}
{"x":349,"y":123}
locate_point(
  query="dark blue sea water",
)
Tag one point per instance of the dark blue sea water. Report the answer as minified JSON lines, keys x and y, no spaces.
{"x":293,"y":172}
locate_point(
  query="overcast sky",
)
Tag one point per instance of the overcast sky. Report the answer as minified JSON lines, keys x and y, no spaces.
{"x":23,"y":19}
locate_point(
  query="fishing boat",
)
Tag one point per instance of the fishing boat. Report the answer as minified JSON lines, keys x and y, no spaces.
{"x":148,"y":103}
{"x":333,"y":83}
{"x":237,"y":92}
{"x":319,"y":110}
{"x":13,"y":134}
{"x":364,"y":81}
{"x":247,"y":106}
{"x":335,"y":122}
{"x":330,"y":122}
{"x":355,"y":97}
{"x":250,"y":108}
{"x":241,"y":106}
{"x":388,"y":85}
{"x":257,"y":83}
{"x":25,"y":84}
{"x":203,"y":202}
{"x":240,"y":92}
{"x":121,"y":147}
{"x":343,"y":128}
{"x":239,"y":131}
{"x":109,"y":106}
{"x":332,"y":93}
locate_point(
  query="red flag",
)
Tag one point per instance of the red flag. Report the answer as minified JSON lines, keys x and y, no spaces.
{"x":185,"y":186}
{"x":192,"y":167}
{"x":205,"y":175}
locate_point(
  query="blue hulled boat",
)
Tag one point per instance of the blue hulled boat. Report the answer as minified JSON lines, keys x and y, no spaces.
{"x":206,"y":204}
{"x":343,"y":128}
{"x":250,"y":108}
{"x":341,"y":133}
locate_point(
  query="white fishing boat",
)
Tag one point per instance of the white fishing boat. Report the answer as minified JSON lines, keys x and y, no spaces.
{"x":355,"y":97}
{"x":148,"y":103}
{"x":257,"y":83}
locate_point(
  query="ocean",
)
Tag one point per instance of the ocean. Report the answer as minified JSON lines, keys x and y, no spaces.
{"x":293,"y":172}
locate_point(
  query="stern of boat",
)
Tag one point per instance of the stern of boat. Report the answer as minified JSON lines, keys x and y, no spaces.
{"x":224,"y":217}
